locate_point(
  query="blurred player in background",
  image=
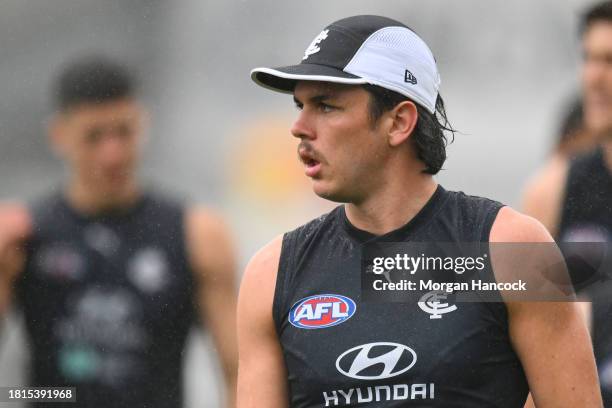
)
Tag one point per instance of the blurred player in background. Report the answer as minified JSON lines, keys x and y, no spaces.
{"x":573,"y":197}
{"x":551,"y":193}
{"x":110,"y":275}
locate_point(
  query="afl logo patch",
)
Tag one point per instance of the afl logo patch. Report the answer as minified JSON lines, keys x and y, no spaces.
{"x":320,"y":311}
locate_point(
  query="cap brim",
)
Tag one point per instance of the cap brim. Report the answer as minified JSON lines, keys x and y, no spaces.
{"x":283,"y":79}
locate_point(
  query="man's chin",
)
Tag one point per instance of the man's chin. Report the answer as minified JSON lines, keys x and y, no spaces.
{"x":326,"y":192}
{"x":112,"y":189}
{"x":603,"y":134}
{"x":600,"y":126}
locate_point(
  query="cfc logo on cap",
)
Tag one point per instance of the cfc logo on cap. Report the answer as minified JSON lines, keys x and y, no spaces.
{"x":319,"y":311}
{"x":313,"y":48}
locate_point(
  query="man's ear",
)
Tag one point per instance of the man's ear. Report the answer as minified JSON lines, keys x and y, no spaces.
{"x":55,"y":133}
{"x":144,"y":123}
{"x":404,"y":117}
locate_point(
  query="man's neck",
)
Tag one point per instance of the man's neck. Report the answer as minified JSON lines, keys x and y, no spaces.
{"x":393,"y":206}
{"x":88,"y":200}
{"x":607,"y":150}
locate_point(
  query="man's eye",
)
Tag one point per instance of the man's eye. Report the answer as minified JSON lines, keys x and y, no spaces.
{"x":299,"y":106}
{"x":93,"y":136}
{"x":325,"y":107}
{"x":123,"y":131}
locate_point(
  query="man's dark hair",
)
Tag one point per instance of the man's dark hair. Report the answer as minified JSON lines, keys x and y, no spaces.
{"x":428,"y":137}
{"x":92,"y":80}
{"x":600,"y":12}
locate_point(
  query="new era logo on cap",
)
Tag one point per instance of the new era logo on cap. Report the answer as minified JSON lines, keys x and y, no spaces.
{"x":408,"y":77}
{"x":359,"y":50}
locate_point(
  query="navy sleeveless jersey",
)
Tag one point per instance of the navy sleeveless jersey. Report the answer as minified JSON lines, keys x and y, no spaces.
{"x":107,"y":303}
{"x":586,"y":216}
{"x":391,"y":354}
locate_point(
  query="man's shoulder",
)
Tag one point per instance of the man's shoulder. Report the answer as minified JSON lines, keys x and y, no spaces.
{"x":470,"y":216}
{"x":543,"y":194}
{"x":45,"y":208}
{"x":267,"y":259}
{"x":44,"y":202}
{"x":162,"y":200}
{"x":471,"y":201}
{"x":205,"y":225}
{"x":513,"y":226}
{"x":548,"y":181}
{"x":263,"y":266}
{"x":15,"y":220}
{"x":589,"y":158}
{"x":313,"y":227}
{"x":507,"y":224}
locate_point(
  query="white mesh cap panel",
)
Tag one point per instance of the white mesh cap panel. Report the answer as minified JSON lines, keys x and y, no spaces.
{"x":391,"y":54}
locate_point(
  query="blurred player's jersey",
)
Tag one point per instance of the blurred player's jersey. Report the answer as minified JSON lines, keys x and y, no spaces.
{"x":341,"y":351}
{"x":587,"y":217}
{"x":107,"y":302}
{"x":586,"y":214}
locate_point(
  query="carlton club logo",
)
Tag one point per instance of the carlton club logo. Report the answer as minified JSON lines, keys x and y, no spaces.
{"x":434,"y":303}
{"x":313,"y":48}
{"x":376,"y":361}
{"x":320,"y":311}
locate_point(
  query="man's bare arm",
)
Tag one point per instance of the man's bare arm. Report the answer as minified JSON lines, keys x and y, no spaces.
{"x":15,"y":228}
{"x":543,"y":195}
{"x":213,"y":261}
{"x":262,"y":376}
{"x":550,"y":338}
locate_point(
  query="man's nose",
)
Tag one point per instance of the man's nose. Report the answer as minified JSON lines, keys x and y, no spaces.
{"x":112,"y":149}
{"x":593,"y":73}
{"x":302,"y":126}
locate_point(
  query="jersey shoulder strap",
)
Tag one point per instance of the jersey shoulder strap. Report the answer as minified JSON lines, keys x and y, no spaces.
{"x":293,"y":252}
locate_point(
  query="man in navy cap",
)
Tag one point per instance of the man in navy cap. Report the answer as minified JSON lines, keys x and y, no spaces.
{"x":371,"y":135}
